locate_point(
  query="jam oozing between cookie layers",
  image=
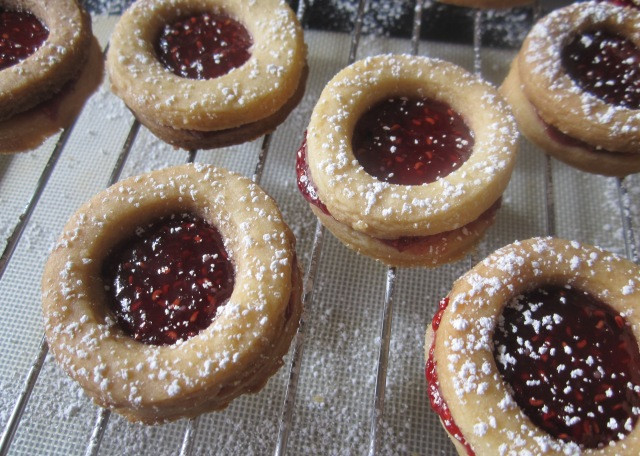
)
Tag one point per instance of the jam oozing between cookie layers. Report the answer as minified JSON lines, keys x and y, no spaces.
{"x":411,"y":141}
{"x":438,"y":404}
{"x":203,"y":46}
{"x":430,"y":241}
{"x":305,"y":185}
{"x":569,"y":141}
{"x":573,"y":364}
{"x":167,"y":282}
{"x":21,"y":34}
{"x":606,"y":65}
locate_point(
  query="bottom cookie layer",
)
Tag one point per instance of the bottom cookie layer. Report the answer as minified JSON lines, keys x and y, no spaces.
{"x":195,"y":139}
{"x":429,"y":251}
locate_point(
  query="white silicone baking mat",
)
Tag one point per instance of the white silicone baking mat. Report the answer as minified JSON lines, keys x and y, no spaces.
{"x":334,"y":404}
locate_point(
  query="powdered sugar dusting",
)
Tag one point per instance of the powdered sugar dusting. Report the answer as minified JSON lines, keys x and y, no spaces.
{"x":81,"y":344}
{"x":584,"y":115}
{"x":340,"y":178}
{"x":469,"y":347}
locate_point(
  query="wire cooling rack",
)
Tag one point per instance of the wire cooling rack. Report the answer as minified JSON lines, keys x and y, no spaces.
{"x":353,"y":381}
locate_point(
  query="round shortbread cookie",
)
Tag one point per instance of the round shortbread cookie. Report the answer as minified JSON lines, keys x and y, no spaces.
{"x":236,"y":353}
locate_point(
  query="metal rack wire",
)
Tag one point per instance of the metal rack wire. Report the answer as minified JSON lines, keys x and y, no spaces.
{"x":286,"y":417}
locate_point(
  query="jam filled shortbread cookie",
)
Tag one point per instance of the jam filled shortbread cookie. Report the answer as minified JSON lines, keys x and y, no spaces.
{"x":208,"y":73}
{"x":43,"y":46}
{"x":171,"y":293}
{"x":535,"y":351}
{"x":575,"y":87}
{"x":406,"y":159}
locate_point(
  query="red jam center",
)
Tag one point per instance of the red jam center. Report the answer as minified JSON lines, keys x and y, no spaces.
{"x":203,"y":46}
{"x":21,"y":34}
{"x":573,"y":365}
{"x":411,"y":141}
{"x":167,"y":282}
{"x":606,"y":65}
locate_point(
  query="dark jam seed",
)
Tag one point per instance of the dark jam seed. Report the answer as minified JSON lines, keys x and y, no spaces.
{"x":305,"y":185}
{"x":606,"y":65}
{"x":411,"y":141}
{"x":21,"y":34}
{"x":573,"y":365}
{"x":203,"y":46}
{"x":167,"y":282}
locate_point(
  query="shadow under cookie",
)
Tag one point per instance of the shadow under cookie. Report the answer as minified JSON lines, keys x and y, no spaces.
{"x":30,"y":129}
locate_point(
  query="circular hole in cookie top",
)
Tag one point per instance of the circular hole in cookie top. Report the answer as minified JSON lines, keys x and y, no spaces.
{"x":203,"y":46}
{"x":572,"y":363}
{"x":606,"y":65}
{"x":411,"y":141}
{"x":21,"y":34}
{"x":166,"y":282}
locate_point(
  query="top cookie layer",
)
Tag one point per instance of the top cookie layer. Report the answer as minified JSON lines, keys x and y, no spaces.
{"x":246,"y":94}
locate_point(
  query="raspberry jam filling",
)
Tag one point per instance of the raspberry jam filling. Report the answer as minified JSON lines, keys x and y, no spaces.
{"x":166,"y":283}
{"x":203,"y":46}
{"x":406,"y":242}
{"x":572,"y":363}
{"x":411,"y":141}
{"x":438,"y":404}
{"x":21,"y":34}
{"x":305,"y":184}
{"x":606,"y":65}
{"x":569,"y":141}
